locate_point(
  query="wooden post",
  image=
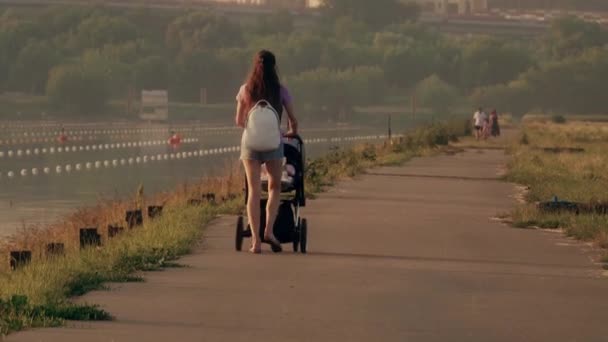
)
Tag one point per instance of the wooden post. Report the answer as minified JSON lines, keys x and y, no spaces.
{"x":203,"y":96}
{"x":129,"y":99}
{"x":390,"y":131}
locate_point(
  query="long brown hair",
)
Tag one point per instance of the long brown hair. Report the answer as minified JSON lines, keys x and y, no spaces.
{"x":263,"y":81}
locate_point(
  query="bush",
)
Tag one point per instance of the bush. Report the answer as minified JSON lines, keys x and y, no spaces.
{"x":558,"y":119}
{"x":437,"y":94}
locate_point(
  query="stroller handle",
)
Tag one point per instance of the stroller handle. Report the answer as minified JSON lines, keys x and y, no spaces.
{"x":294,"y":136}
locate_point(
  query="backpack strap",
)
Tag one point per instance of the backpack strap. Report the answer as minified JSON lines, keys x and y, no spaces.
{"x":263,"y":103}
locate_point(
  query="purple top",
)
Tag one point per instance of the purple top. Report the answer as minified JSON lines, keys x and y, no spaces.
{"x":285,"y":95}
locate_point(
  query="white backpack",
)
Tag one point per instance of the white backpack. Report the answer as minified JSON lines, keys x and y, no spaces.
{"x":262,"y":128}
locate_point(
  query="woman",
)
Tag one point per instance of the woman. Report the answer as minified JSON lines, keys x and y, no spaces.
{"x":263,"y":84}
{"x":495,"y":124}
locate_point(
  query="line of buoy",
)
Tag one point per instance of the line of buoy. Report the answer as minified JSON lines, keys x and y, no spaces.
{"x":96,"y":147}
{"x":98,"y":164}
{"x":59,"y":169}
{"x":87,"y":132}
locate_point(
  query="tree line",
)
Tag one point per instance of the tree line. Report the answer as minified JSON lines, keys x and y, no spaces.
{"x":357,"y":53}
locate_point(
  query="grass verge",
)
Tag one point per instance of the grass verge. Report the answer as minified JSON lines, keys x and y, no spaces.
{"x":38,"y":294}
{"x":567,"y":161}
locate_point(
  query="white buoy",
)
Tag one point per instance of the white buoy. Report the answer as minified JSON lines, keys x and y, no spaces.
{"x":28,"y":152}
{"x":114,"y":162}
{"x":138,"y":160}
{"x":19,"y":153}
{"x":106,"y":163}
{"x":1,"y":154}
{"x":59,"y":149}
{"x":88,"y":165}
{"x":58,"y":169}
{"x":23,"y":172}
{"x":74,"y":149}
{"x":178,"y":155}
{"x":35,"y":171}
{"x":100,"y":147}
{"x":97,"y":164}
{"x":195,"y":153}
{"x":106,"y":146}
{"x":68,"y":168}
{"x":166,"y":157}
{"x":123,"y":162}
{"x":128,"y":144}
{"x":94,"y":147}
{"x":145,"y":159}
{"x":10,"y":174}
{"x":46,"y":170}
{"x":36,"y":151}
{"x":130,"y":160}
{"x":152,"y":158}
{"x":78,"y":167}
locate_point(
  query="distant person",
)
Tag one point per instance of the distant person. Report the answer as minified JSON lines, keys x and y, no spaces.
{"x":263,"y":84}
{"x":479,"y":119}
{"x":495,"y":125}
{"x":63,"y":137}
{"x":175,"y":139}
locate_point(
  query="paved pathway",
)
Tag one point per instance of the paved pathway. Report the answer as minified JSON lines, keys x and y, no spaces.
{"x":402,"y":254}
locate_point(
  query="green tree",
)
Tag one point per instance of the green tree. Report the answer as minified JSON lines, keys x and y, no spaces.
{"x":77,"y":89}
{"x":488,"y":61}
{"x":434,"y":93}
{"x":31,"y":69}
{"x":117,"y":75}
{"x":569,"y":36}
{"x":202,"y":30}
{"x":152,"y":73}
{"x":516,"y":97}
{"x":97,"y":31}
{"x":332,"y":94}
{"x":201,"y":69}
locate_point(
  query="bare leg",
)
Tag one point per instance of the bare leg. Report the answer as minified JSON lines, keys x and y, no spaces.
{"x":275,"y":171}
{"x":253,"y":170}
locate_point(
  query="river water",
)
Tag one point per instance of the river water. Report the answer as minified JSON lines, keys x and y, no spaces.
{"x":42,"y":179}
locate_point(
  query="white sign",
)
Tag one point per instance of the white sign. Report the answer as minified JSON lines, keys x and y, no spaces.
{"x":154,"y":105}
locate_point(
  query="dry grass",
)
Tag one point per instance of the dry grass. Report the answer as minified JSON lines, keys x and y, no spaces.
{"x":580,"y":177}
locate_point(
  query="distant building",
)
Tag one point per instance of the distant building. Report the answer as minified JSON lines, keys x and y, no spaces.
{"x":454,"y":6}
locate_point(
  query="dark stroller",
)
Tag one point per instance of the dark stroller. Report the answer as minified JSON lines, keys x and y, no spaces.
{"x":289,"y":226}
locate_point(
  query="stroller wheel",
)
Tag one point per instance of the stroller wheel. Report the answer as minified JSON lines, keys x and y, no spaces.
{"x":303,"y":235}
{"x":240,"y":229}
{"x":296,"y":236}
